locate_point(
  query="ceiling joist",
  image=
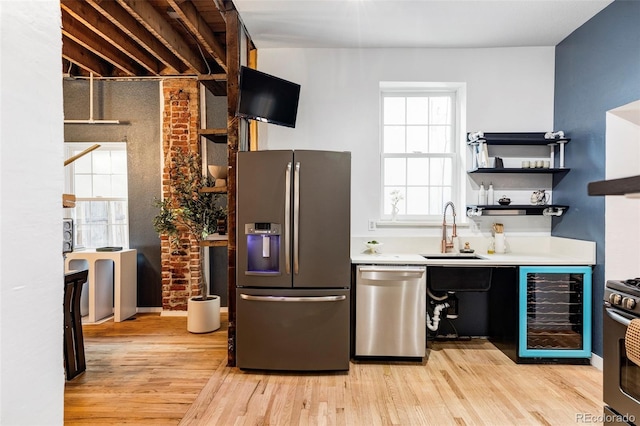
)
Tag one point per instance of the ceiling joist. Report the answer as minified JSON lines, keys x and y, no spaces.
{"x":144,"y":37}
{"x":110,"y":33}
{"x":84,"y":58}
{"x":82,"y":35}
{"x":153,"y":21}
{"x":199,"y":28}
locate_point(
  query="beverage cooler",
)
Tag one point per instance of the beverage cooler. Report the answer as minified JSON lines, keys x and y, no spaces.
{"x":542,"y":314}
{"x":554,"y":305}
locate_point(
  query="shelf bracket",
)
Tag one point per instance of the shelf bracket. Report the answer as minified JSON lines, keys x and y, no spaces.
{"x":475,"y":137}
{"x":553,"y":211}
{"x":474,"y":211}
{"x":558,"y":138}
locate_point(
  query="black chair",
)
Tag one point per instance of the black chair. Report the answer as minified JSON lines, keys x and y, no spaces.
{"x":74,"y":361}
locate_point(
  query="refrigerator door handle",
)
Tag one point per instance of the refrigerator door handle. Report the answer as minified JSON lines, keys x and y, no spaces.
{"x":296,"y":217}
{"x":287,"y":219}
{"x":292,"y":298}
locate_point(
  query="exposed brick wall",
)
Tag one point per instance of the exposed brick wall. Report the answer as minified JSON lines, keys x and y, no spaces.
{"x":181,"y":268}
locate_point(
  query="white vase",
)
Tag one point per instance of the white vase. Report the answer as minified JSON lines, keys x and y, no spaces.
{"x":203,"y":316}
{"x":394,"y":213}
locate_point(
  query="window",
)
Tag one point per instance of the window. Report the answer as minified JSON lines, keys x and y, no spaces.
{"x":99,"y":182}
{"x":419,"y":152}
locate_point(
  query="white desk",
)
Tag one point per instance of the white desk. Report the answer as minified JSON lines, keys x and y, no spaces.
{"x":112,"y":282}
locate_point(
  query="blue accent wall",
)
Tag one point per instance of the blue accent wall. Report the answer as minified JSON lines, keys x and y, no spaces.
{"x":597,"y":69}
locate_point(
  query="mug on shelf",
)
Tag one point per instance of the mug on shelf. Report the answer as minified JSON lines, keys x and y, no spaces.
{"x":539,"y":197}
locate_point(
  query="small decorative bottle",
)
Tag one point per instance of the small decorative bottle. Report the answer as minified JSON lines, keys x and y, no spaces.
{"x":482,"y":195}
{"x":490,"y":196}
{"x":491,"y":249}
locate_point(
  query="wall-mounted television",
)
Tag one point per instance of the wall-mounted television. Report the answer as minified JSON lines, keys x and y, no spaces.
{"x":267,"y":98}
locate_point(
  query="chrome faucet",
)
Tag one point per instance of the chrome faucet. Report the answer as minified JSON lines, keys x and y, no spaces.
{"x":445,"y":243}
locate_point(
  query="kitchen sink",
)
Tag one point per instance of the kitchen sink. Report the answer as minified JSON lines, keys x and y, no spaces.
{"x":454,"y":256}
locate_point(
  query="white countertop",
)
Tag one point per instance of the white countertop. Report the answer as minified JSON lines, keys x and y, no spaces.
{"x":523,"y":251}
{"x":506,"y":259}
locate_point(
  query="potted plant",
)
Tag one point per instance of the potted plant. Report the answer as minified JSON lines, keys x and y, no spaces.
{"x":188,"y":208}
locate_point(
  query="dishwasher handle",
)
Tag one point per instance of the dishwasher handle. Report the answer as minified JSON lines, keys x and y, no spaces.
{"x":377,"y":273}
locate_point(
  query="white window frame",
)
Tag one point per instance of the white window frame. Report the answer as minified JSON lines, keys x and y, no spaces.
{"x":458,"y":190}
{"x":69,"y":149}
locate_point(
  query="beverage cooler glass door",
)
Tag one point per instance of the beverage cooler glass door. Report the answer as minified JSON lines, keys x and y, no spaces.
{"x":555,"y":312}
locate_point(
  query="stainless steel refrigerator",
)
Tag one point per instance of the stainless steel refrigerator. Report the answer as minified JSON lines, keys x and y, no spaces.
{"x":293,"y":261}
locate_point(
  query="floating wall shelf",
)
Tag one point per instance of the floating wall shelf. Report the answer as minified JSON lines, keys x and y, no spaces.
{"x":518,"y":170}
{"x":622,"y":186}
{"x":516,"y":210}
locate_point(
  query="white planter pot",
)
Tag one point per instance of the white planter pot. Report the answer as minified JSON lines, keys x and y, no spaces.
{"x":203,"y":316}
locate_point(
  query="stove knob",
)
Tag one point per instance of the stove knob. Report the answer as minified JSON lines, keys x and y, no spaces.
{"x":615,"y":299}
{"x":628,"y":303}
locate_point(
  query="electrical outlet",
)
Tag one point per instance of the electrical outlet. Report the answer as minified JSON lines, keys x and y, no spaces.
{"x":372,"y":225}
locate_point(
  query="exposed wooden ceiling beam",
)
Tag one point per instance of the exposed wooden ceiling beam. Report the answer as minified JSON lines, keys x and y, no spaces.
{"x":83,"y":58}
{"x":192,"y":19}
{"x":154,"y":22}
{"x":82,"y":35}
{"x":130,"y":26}
{"x":216,"y":83}
{"x":224,"y":6}
{"x":148,"y":37}
{"x":93,"y":20}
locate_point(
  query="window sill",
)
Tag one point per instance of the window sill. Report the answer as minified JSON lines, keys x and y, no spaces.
{"x":413,"y":224}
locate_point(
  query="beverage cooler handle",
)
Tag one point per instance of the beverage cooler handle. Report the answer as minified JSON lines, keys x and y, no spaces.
{"x":296,"y":217}
{"x":287,"y":218}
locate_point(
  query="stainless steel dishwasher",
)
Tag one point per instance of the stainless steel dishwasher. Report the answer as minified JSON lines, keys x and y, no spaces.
{"x":391,"y":311}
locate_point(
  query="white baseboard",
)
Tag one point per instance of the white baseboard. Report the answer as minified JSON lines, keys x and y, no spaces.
{"x":173,"y":314}
{"x":596,"y":361}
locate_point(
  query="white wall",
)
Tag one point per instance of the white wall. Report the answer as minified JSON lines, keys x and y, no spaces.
{"x":622,"y":218}
{"x":31,"y":181}
{"x":508,"y":89}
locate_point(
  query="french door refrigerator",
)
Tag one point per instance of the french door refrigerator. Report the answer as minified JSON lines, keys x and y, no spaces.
{"x":293,"y":265}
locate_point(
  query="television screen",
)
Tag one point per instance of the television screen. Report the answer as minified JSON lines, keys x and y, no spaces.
{"x":267,"y":98}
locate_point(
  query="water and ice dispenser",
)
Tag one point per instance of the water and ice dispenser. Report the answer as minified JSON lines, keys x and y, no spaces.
{"x":263,"y":248}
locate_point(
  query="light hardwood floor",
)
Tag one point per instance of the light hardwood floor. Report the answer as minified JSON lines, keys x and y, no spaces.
{"x":152,"y":371}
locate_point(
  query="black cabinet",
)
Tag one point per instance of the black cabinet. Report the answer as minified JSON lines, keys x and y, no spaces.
{"x":466,"y":287}
{"x":503,"y":310}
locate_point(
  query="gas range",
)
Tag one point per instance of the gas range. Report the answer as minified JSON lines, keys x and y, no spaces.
{"x":623,"y":294}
